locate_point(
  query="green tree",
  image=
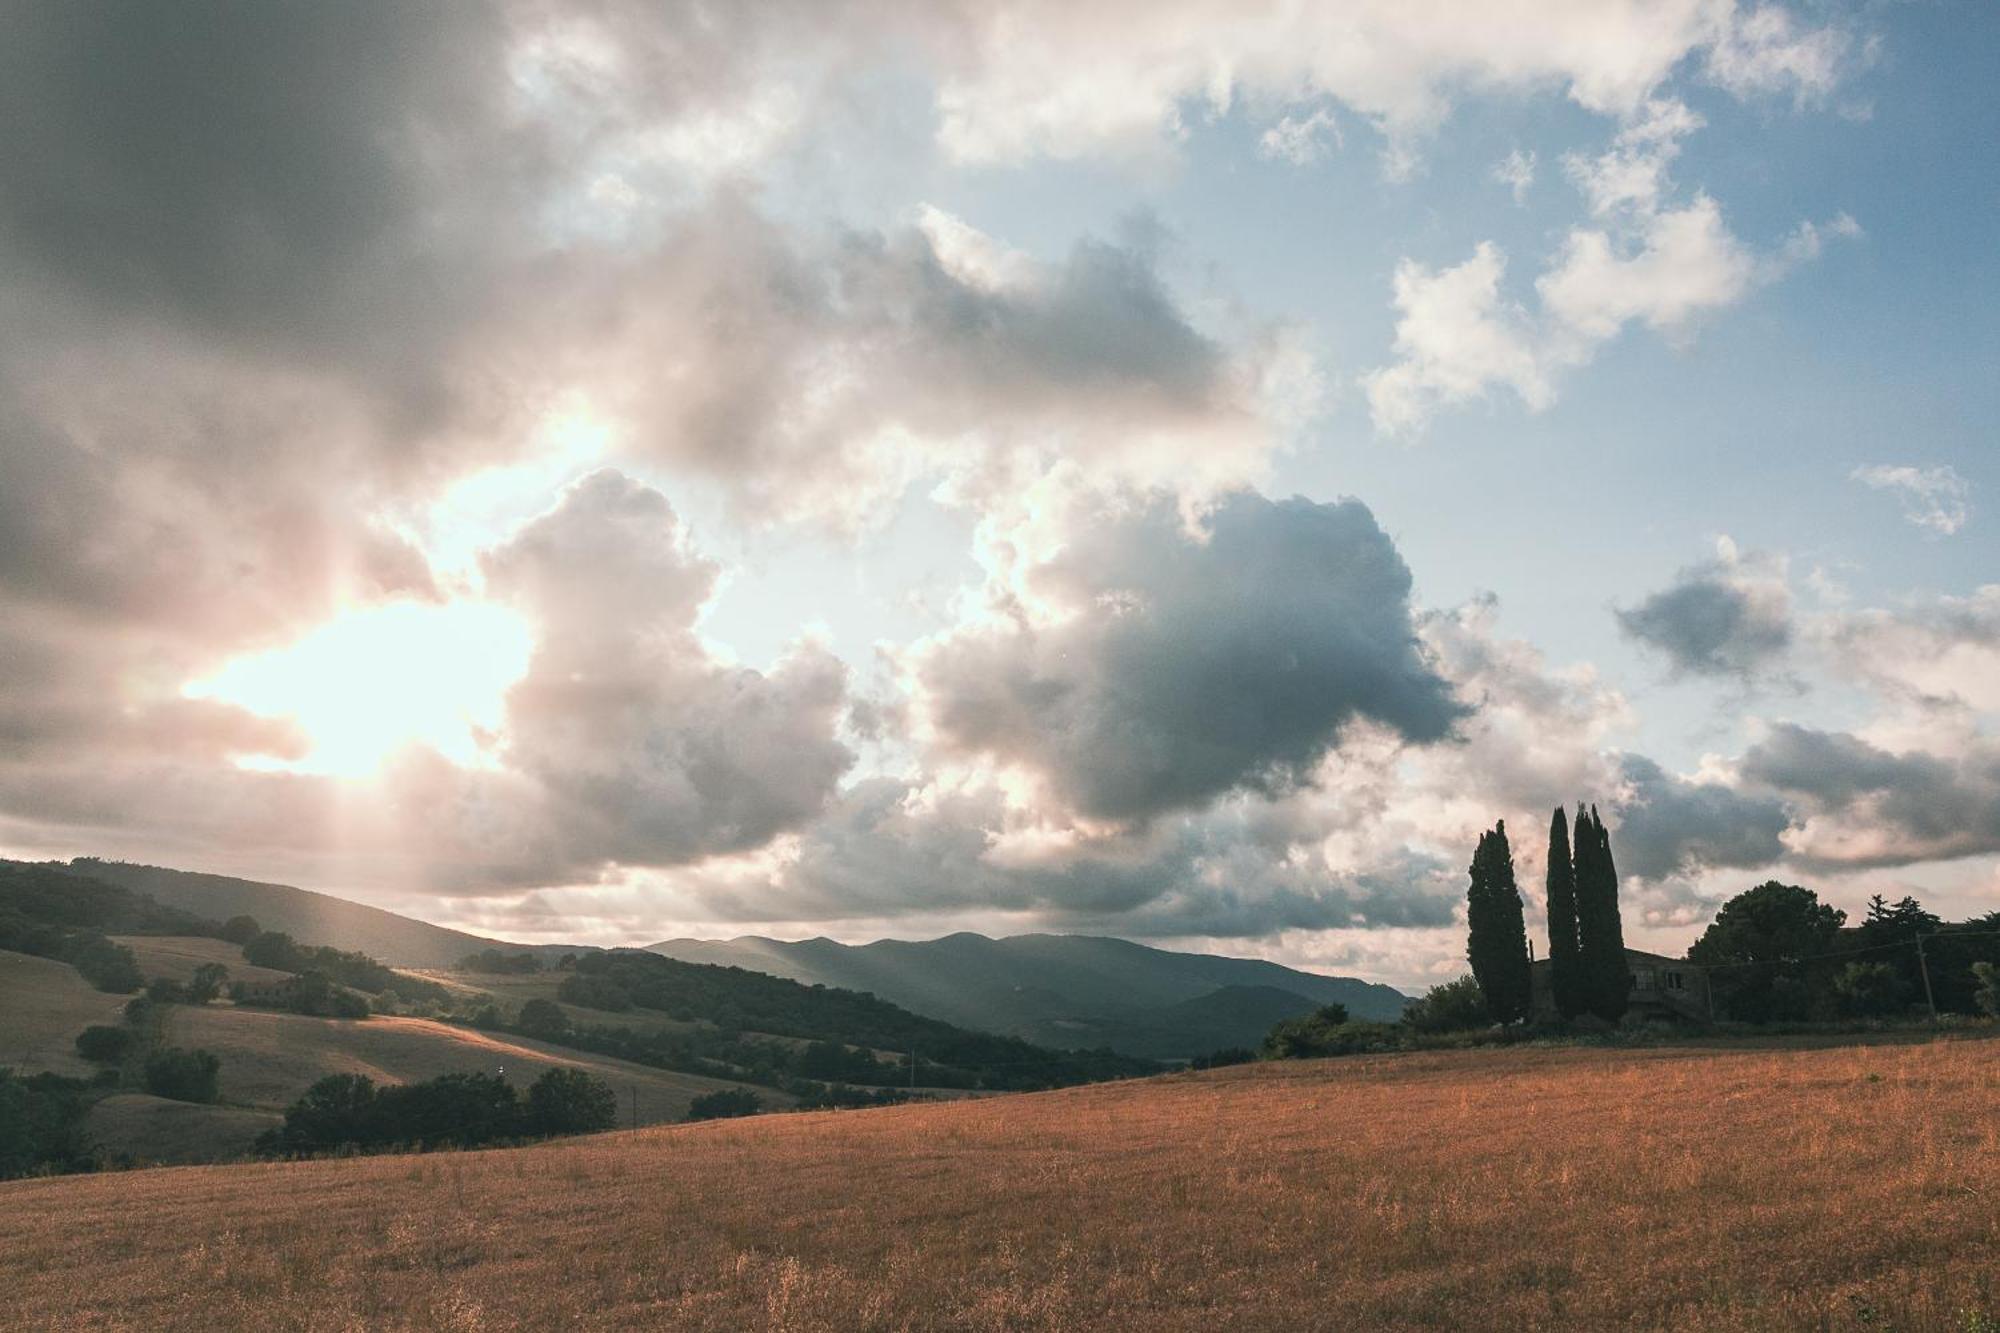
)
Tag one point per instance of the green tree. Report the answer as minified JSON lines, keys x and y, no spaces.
{"x":183,"y":1076}
{"x":1606,"y":979}
{"x":105,"y":1045}
{"x":1986,"y":977}
{"x":240,"y":930}
{"x":206,"y":983}
{"x":1758,"y":941}
{"x":1566,"y":980}
{"x":109,"y":967}
{"x":336,"y":1110}
{"x":1455,"y":1006}
{"x":569,"y":1101}
{"x":542,"y":1018}
{"x":1870,"y":990}
{"x":1497,"y":935}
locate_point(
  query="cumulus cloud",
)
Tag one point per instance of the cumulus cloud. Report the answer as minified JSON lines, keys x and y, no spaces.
{"x":1869,"y":806}
{"x":1516,"y":171}
{"x":1646,"y":258}
{"x":1143,"y":667}
{"x":1731,"y":616}
{"x":1941,"y":654}
{"x":1668,"y":825}
{"x":1932,"y":497}
{"x":1064,"y":80}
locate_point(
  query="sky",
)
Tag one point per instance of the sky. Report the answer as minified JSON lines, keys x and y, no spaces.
{"x":609,"y":471}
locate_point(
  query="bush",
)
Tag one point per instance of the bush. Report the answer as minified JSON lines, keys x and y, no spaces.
{"x":1455,"y":1006}
{"x":500,"y":964}
{"x":183,"y":1076}
{"x":161,"y":990}
{"x":724,"y":1104}
{"x":105,"y":1045}
{"x":569,"y":1101}
{"x":1306,"y":1037}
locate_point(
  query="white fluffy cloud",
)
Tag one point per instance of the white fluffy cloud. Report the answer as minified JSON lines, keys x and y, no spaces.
{"x":1645,"y":258}
{"x":1933,"y":497}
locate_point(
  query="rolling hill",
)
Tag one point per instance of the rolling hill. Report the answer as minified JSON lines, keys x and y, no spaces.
{"x":1073,"y":991}
{"x":317,"y":918}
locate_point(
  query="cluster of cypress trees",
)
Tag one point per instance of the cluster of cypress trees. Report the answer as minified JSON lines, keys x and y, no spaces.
{"x":1586,"y":936}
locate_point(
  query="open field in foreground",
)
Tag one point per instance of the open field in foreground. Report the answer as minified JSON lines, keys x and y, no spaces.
{"x":1844,"y":1187}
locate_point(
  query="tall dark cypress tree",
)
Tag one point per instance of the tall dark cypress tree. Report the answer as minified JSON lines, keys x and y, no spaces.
{"x":1607,"y":981}
{"x":1497,"y":933}
{"x":1566,"y":980}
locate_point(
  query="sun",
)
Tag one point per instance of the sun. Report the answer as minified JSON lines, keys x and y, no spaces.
{"x":376,"y":680}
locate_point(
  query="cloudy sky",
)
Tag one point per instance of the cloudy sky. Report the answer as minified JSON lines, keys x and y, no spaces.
{"x":603,"y":471}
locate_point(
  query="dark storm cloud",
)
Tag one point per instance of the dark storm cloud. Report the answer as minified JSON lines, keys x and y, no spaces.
{"x":1882,"y":808}
{"x":1669,"y":826}
{"x":1713,"y":623}
{"x":1191,"y":665}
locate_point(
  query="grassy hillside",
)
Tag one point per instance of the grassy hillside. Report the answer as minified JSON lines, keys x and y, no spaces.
{"x":175,"y":957}
{"x":315,"y":918}
{"x":1074,"y":991}
{"x":153,"y":1129}
{"x":1721,"y":1189}
{"x":269,"y":1058}
{"x":43,"y":1005}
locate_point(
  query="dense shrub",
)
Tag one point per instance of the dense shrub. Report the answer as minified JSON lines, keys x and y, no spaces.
{"x":41,"y":1125}
{"x":105,"y":965}
{"x":594,"y":992}
{"x":725,"y":1103}
{"x":106,"y":1045}
{"x":1455,"y":1006}
{"x":1307,"y":1036}
{"x":453,"y":1110}
{"x":1986,"y":993}
{"x":183,"y":1076}
{"x":500,"y":964}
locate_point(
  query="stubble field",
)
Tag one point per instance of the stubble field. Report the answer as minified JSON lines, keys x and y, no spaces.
{"x":1853,"y":1186}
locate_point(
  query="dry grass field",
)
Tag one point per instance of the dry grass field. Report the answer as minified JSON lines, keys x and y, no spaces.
{"x":1843,"y":1187}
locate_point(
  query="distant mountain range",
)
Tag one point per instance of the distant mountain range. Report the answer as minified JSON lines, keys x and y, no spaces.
{"x":1073,"y":991}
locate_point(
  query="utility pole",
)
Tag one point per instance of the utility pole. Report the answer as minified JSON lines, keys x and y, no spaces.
{"x":635,"y":1105}
{"x":913,"y":1069}
{"x":1924,"y":966}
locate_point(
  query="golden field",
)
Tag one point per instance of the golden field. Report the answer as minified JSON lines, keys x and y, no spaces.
{"x":1853,"y":1186}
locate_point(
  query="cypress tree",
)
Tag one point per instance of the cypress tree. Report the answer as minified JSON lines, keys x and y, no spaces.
{"x":1497,"y":938}
{"x":1607,"y":981}
{"x":1566,"y":981}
